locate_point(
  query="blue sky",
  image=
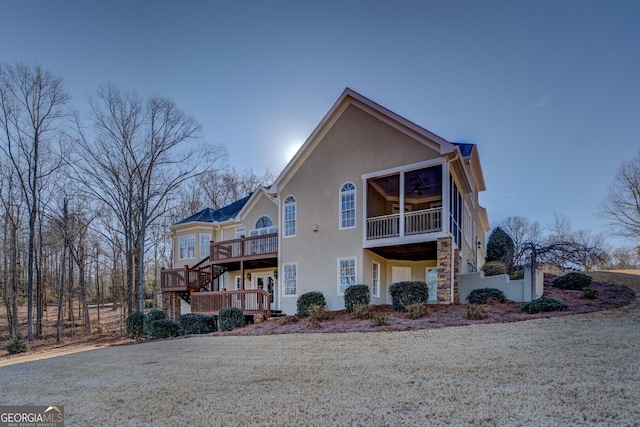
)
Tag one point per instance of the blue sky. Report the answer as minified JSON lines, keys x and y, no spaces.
{"x":548,"y":90}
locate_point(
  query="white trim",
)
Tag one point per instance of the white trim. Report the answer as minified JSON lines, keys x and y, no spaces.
{"x":340,"y":292}
{"x":433,"y":299}
{"x":295,"y":217}
{"x":355,"y":205}
{"x":405,"y":168}
{"x":374,"y":279}
{"x":284,"y":279}
{"x":187,"y":247}
{"x":208,"y":246}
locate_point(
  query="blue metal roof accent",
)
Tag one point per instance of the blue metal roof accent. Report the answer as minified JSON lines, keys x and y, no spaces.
{"x":465,"y":148}
{"x":222,"y":214}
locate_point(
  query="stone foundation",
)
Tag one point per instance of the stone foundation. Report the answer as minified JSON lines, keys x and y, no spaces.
{"x":445,"y":264}
{"x":171,"y":304}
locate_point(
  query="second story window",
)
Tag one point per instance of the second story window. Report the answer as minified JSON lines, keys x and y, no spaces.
{"x":187,"y":246}
{"x":290,"y":216}
{"x":264,"y":225}
{"x":347,"y":206}
{"x":205,"y":240}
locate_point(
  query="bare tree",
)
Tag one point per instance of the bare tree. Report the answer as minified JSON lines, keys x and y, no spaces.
{"x":141,"y":154}
{"x":621,"y":206}
{"x":624,"y":258}
{"x":32,"y":103}
{"x":521,"y":231}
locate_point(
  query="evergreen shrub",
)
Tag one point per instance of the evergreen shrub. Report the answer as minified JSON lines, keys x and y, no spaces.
{"x":163,"y":328}
{"x":356,"y":295}
{"x":305,"y":301}
{"x":494,"y":268}
{"x":197,"y":323}
{"x":573,"y":281}
{"x":16,"y":344}
{"x":545,"y":304}
{"x":151,"y":317}
{"x":404,"y":294}
{"x":134,"y":326}
{"x":230,"y":318}
{"x":480,"y":296}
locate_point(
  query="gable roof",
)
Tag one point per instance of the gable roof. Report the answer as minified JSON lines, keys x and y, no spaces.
{"x":223,"y":214}
{"x":351,"y":97}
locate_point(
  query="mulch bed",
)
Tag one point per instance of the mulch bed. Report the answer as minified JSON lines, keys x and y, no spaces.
{"x":441,"y":316}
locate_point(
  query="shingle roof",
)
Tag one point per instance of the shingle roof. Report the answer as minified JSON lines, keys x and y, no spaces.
{"x":222,"y":214}
{"x":465,"y":148}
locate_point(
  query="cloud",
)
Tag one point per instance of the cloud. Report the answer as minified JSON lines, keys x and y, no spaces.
{"x":542,"y":102}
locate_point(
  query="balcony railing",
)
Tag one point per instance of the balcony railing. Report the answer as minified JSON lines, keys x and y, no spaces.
{"x":250,"y":301}
{"x":185,"y":278}
{"x":253,"y":247}
{"x":418,"y":222}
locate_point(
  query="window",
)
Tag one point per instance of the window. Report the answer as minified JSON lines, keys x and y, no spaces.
{"x":468,"y":226}
{"x":264,"y":225}
{"x":375,"y":279}
{"x":187,"y":246}
{"x":241,"y":232}
{"x":346,"y":274}
{"x":432,"y":284}
{"x":290,"y":216}
{"x":205,"y":240}
{"x":347,"y":206}
{"x":455,"y":212}
{"x":290,"y":279}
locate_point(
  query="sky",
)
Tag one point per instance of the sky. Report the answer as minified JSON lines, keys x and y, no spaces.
{"x":548,"y":90}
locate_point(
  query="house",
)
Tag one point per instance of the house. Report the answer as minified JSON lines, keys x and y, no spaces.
{"x":369,"y":198}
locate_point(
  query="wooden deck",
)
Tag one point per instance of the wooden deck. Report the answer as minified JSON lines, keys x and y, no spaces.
{"x":250,"y":301}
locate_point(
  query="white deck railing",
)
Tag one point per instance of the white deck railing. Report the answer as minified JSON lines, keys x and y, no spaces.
{"x":421,"y":222}
{"x":418,"y":222}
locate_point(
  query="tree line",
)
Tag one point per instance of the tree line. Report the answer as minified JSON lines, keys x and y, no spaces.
{"x":86,"y":199}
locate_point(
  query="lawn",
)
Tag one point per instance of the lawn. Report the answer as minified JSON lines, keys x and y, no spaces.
{"x":572,"y":370}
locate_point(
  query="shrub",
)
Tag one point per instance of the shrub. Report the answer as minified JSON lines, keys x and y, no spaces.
{"x":230,"y":318}
{"x":317,"y":313}
{"x":288,"y":320}
{"x":148,"y":303}
{"x":544,"y":304}
{"x":356,"y":295}
{"x":308,"y":300}
{"x":417,"y":310}
{"x":500,"y":246}
{"x":404,"y":294}
{"x":151,"y":317}
{"x":379,"y":319}
{"x":196,"y":323}
{"x":590,"y":293}
{"x":573,"y":281}
{"x":362,"y":311}
{"x":16,"y":344}
{"x":163,"y":328}
{"x":476,"y":312}
{"x":134,"y":326}
{"x":494,"y":268}
{"x":517,"y":275}
{"x":480,"y":296}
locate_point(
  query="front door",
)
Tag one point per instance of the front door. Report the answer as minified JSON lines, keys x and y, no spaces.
{"x":268,"y":284}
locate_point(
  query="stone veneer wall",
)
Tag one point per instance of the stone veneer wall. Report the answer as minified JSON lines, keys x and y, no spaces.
{"x":444,"y":270}
{"x":171,"y":304}
{"x":456,"y":280}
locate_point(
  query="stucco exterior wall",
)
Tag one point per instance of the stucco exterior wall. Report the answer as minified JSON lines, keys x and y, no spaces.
{"x":358,"y":143}
{"x":196,"y":230}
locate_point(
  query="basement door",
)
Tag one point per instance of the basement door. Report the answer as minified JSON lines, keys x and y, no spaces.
{"x":268,"y":284}
{"x":399,"y":274}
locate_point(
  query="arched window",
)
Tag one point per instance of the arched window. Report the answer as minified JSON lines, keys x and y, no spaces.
{"x":264,"y":225}
{"x":264,"y":222}
{"x":290,"y":216}
{"x":347,"y":206}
